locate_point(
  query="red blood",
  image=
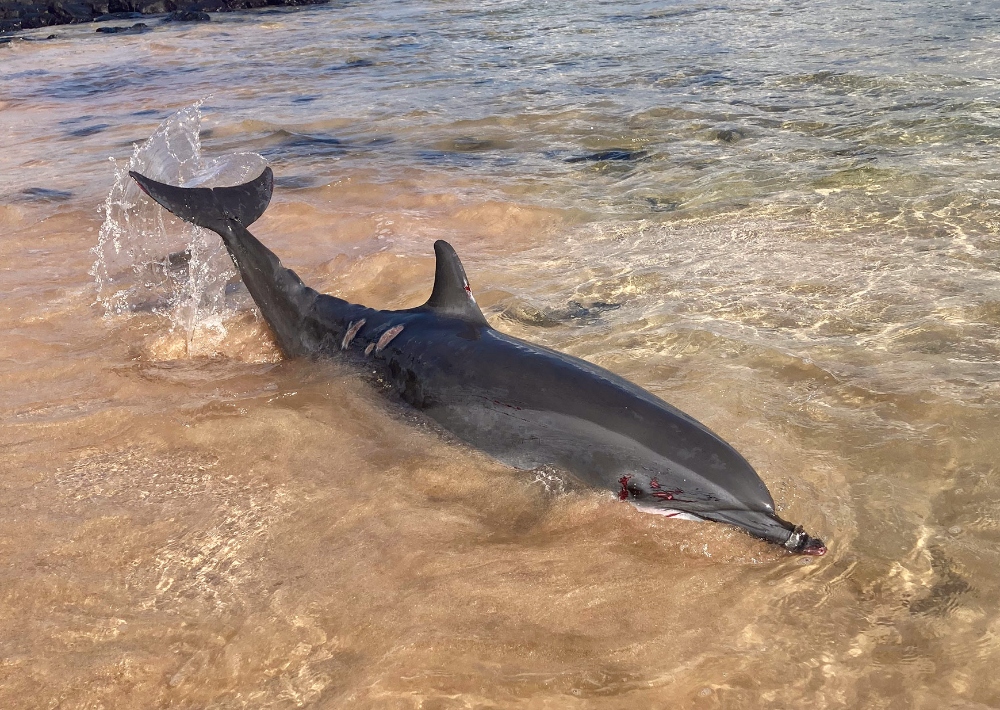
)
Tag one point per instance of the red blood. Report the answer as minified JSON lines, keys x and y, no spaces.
{"x":663,"y":495}
{"x":505,"y":404}
{"x":816,"y":550}
{"x":623,"y":493}
{"x":468,"y":289}
{"x":654,"y":484}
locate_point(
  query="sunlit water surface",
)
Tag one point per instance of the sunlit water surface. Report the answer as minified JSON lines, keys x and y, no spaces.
{"x":780,"y":217}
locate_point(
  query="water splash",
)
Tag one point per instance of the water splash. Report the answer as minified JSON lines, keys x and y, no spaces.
{"x":148,"y":261}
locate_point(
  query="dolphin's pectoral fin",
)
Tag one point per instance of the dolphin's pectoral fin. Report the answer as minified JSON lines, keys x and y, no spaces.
{"x":452,"y":294}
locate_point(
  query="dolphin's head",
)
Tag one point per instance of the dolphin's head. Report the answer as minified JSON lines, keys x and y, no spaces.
{"x":650,"y":495}
{"x":770,"y":527}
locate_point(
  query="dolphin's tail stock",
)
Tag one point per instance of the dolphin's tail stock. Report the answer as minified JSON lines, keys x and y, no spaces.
{"x":279,"y":293}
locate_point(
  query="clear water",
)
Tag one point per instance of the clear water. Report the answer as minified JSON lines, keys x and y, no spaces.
{"x":792,"y":236}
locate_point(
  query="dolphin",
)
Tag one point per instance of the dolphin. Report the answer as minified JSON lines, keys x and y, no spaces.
{"x":526,"y":405}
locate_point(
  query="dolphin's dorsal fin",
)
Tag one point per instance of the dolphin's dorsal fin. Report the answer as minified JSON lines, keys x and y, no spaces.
{"x":452,"y":295}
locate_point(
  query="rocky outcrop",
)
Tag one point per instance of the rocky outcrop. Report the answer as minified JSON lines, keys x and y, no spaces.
{"x":28,"y":14}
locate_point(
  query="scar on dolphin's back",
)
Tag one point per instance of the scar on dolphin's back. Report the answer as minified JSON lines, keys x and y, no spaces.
{"x":352,"y":330}
{"x":387,"y":337}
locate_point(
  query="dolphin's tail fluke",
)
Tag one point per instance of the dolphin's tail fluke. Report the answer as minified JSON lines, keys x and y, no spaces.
{"x":281,"y":296}
{"x":213,"y":207}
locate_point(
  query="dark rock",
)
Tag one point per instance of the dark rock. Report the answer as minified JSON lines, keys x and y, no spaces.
{"x":45,"y":194}
{"x":606,"y":155}
{"x":154,"y":7}
{"x":662,"y":204}
{"x":212,"y":6}
{"x":18,"y":15}
{"x":527,"y":314}
{"x":88,"y":130}
{"x":8,"y":40}
{"x":119,"y":16}
{"x":67,"y":13}
{"x":313,"y":145}
{"x":295,"y":182}
{"x":354,"y":63}
{"x":136,"y":29}
{"x":577,"y":311}
{"x":187,"y":16}
{"x":730,"y":135}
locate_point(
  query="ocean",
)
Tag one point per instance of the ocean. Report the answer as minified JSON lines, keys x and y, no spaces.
{"x":780,"y":217}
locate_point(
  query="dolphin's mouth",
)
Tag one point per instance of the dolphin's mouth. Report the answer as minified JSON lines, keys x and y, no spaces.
{"x":770,"y":527}
{"x":801,"y":543}
{"x":798,"y":542}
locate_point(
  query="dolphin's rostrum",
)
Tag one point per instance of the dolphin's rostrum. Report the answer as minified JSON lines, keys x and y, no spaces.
{"x":524,"y":404}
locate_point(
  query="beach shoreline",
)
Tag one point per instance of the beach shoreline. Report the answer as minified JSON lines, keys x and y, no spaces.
{"x":32,"y":14}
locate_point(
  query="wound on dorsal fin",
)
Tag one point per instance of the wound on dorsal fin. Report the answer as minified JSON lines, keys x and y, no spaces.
{"x":452,"y":295}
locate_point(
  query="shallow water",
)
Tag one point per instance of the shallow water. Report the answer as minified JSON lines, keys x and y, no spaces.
{"x":779,"y":217}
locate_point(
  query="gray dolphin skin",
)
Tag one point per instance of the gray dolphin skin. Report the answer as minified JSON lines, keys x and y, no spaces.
{"x":524,"y":404}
